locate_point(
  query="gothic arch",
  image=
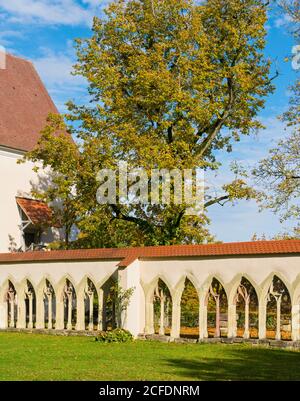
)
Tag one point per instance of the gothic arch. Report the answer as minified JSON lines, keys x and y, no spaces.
{"x":216,"y":303}
{"x":207,"y":282}
{"x":235,"y":284}
{"x":4,"y":287}
{"x":59,"y":287}
{"x":189,"y":308}
{"x":178,"y":289}
{"x":149,"y":288}
{"x":268,"y":281}
{"x":41,"y":285}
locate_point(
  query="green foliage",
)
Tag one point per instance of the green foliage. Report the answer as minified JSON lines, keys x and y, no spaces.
{"x":118,"y":301}
{"x":279,"y":173}
{"x":189,"y":306}
{"x":171,"y":83}
{"x":115,"y":336}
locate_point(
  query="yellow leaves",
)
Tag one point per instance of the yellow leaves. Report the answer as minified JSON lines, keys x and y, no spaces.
{"x":238,"y":189}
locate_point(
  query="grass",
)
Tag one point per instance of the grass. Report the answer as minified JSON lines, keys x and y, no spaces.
{"x":42,"y":357}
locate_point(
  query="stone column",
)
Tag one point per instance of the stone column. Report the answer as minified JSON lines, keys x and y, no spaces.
{"x":21,"y":320}
{"x":100,"y":309}
{"x":4,"y":314}
{"x":91,"y":309}
{"x":247,"y":326}
{"x":70,"y":307}
{"x":30,"y":302}
{"x":149,"y":314}
{"x":231,"y":321}
{"x":40,"y":311}
{"x":50,"y":313}
{"x":217,"y":330}
{"x":12,"y":313}
{"x":262,"y":316}
{"x":162,"y":315}
{"x":80,"y":324}
{"x":60,"y":314}
{"x":175,"y":331}
{"x":295,"y":322}
{"x":10,"y":304}
{"x":278,"y":318}
{"x":203,"y":333}
{"x":48,"y":295}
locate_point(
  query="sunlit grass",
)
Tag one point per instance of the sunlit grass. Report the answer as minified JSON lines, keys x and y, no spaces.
{"x":43,"y":357}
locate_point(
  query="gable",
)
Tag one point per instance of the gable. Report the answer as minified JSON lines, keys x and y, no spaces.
{"x":24,"y":104}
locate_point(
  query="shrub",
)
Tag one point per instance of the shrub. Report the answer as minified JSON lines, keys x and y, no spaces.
{"x":115,"y":336}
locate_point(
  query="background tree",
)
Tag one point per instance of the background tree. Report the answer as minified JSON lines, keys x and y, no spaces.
{"x":171,"y":82}
{"x":279,"y":172}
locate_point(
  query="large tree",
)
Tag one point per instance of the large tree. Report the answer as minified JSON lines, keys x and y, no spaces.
{"x":279,"y":172}
{"x":171,"y":82}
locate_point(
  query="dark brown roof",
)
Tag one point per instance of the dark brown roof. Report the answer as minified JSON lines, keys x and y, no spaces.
{"x":37,"y":211}
{"x":126,"y":256}
{"x":24,"y":104}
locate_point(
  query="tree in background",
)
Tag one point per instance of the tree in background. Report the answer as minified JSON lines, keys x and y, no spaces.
{"x":171,"y":82}
{"x":279,"y":172}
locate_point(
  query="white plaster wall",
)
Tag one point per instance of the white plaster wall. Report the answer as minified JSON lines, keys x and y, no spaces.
{"x":200,"y":270}
{"x":135,"y":316}
{"x":143,"y":275}
{"x":15,"y":180}
{"x":76,"y":271}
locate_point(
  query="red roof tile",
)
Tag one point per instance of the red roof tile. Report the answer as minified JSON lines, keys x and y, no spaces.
{"x":24,"y":104}
{"x":126,"y":256}
{"x":37,"y":211}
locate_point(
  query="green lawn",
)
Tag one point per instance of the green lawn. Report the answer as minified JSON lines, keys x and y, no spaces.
{"x":41,"y":357}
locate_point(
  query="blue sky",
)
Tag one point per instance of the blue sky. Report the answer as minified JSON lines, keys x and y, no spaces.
{"x":43,"y":31}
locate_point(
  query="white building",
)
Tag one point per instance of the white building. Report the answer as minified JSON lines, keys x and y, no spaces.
{"x":24,"y":106}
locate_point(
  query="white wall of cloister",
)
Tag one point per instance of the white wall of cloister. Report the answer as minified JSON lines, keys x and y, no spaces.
{"x":73,"y":285}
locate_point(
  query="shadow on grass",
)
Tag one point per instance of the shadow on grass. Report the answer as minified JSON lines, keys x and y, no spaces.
{"x":241,"y":364}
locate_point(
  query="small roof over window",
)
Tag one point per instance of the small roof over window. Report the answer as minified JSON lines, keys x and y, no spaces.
{"x":37,"y":212}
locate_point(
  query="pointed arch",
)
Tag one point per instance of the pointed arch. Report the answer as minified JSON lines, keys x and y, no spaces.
{"x":46,"y":303}
{"x":216,"y":301}
{"x":162,"y":307}
{"x":189,"y":310}
{"x":28,"y":301}
{"x":245,"y":308}
{"x":87,"y":304}
{"x":296,"y":291}
{"x":59,"y":286}
{"x":150,"y":287}
{"x":66,"y":303}
{"x":4,"y":286}
{"x":41,"y":285}
{"x":267,"y":282}
{"x":234,"y":284}
{"x":9,"y":303}
{"x":179,"y":287}
{"x":277,"y":298}
{"x":205,"y":285}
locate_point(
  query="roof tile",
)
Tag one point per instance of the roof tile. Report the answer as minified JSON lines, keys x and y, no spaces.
{"x":24,"y":105}
{"x":126,"y":256}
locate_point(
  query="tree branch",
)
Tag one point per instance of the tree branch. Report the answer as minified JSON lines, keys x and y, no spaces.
{"x":143,"y":224}
{"x":217,"y":200}
{"x":216,"y":127}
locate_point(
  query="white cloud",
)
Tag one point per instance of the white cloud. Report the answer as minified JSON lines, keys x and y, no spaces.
{"x":6,"y":36}
{"x":60,"y":12}
{"x":284,"y":20}
{"x":55,"y":71}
